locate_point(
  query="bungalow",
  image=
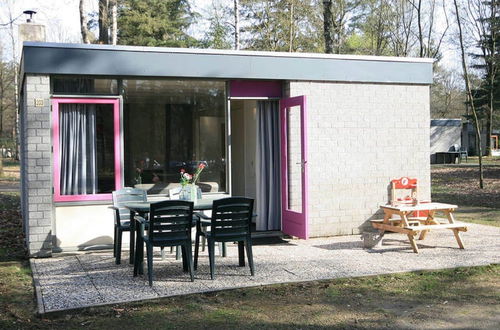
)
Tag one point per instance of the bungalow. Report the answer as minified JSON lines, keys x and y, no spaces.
{"x":314,"y":138}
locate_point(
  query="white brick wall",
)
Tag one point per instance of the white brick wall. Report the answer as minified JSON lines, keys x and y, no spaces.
{"x":360,"y":136}
{"x":36,"y":169}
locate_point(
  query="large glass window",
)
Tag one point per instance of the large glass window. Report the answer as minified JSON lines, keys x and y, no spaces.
{"x":171,"y":125}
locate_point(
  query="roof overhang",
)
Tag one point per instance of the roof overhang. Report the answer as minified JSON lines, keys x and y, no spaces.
{"x":133,"y":61}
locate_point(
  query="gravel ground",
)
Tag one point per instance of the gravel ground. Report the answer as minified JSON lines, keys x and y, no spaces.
{"x":90,"y":279}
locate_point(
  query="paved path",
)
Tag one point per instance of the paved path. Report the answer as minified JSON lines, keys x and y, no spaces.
{"x":9,"y":186}
{"x":89,"y":279}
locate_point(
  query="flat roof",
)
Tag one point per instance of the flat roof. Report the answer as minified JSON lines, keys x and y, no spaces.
{"x":446,"y":122}
{"x":135,"y":61}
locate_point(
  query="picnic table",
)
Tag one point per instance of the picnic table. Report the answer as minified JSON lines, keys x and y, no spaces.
{"x":412,"y":226}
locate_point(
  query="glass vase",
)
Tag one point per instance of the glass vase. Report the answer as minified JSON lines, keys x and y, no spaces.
{"x":190,"y":192}
{"x":193,"y":195}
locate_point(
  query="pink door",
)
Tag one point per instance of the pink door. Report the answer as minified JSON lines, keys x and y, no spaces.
{"x":294,"y":167}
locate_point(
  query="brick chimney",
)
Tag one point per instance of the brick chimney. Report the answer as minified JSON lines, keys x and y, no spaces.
{"x":30,"y":31}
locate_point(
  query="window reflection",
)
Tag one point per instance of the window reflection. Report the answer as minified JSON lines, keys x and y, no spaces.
{"x":171,"y":125}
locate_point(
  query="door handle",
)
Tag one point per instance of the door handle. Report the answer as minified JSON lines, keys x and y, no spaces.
{"x":302,"y":164}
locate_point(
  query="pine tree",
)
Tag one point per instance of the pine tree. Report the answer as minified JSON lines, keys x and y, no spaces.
{"x":155,"y":23}
{"x":487,"y":95}
{"x":283,"y":25}
{"x":219,"y":31}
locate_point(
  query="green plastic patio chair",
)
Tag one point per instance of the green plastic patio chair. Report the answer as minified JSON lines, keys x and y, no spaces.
{"x":169,"y":224}
{"x":230,"y":222}
{"x":122,"y":215}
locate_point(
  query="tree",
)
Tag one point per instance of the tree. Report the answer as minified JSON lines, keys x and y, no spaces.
{"x":283,"y":25}
{"x":155,"y":23}
{"x":103,"y":21}
{"x":374,"y":21}
{"x":483,"y":19}
{"x":7,"y":98}
{"x":114,"y":21}
{"x":470,"y":97}
{"x":327,"y":23}
{"x":218,"y":34}
{"x":236,"y":24}
{"x":83,"y":23}
{"x":447,"y":97}
{"x":15,"y":130}
{"x":402,"y":35}
{"x":336,"y":15}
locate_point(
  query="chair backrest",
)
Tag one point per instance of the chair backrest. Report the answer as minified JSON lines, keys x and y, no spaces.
{"x":231,"y":217}
{"x":455,"y":148}
{"x":170,"y":221}
{"x":124,"y":195}
{"x":404,"y":184}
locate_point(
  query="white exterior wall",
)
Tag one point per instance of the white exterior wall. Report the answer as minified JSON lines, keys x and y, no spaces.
{"x":361,"y":136}
{"x":442,"y":138}
{"x":36,"y":165}
{"x":80,"y":227}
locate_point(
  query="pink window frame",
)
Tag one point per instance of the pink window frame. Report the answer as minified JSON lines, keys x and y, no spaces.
{"x":57,"y":157}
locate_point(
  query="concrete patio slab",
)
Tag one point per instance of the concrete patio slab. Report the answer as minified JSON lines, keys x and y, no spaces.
{"x":90,"y":279}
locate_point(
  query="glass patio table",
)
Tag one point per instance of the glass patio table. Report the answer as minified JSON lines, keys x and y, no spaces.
{"x":141,"y":209}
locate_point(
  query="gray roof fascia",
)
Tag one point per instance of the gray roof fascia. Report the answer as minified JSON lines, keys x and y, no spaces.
{"x":132,"y":61}
{"x":446,"y":122}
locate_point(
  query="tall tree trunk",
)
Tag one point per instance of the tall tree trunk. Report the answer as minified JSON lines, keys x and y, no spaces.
{"x":15,"y":130}
{"x":237,"y":24}
{"x":114,"y":22}
{"x":327,"y":26}
{"x":83,"y":24}
{"x":470,"y":97}
{"x":493,"y":71}
{"x":103,"y":21}
{"x":418,"y":8}
{"x":489,"y":118}
{"x":290,"y":47}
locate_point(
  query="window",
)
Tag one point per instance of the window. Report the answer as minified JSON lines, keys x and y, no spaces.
{"x":171,"y":125}
{"x":168,"y":125}
{"x":84,"y":85}
{"x":86,"y":135}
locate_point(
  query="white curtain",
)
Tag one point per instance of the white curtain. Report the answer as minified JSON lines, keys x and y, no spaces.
{"x":268,"y":166}
{"x":77,"y":143}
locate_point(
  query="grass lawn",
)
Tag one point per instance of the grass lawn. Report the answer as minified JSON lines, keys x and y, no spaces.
{"x":9,"y":178}
{"x":453,"y":298}
{"x":458,"y":184}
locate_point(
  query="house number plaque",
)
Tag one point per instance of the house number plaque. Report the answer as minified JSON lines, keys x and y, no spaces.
{"x":38,"y":102}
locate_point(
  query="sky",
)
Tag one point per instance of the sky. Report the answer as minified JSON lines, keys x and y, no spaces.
{"x":61,"y":18}
{"x":62,"y":21}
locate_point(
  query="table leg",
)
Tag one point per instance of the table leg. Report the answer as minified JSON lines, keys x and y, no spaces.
{"x":137,"y":255}
{"x":413,"y":243}
{"x":132,"y":236}
{"x":411,"y":237}
{"x":241,"y":253}
{"x":387,"y":216}
{"x":136,"y":259}
{"x":430,"y":220}
{"x":184,"y":259}
{"x":451,"y":219}
{"x":139,"y":249}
